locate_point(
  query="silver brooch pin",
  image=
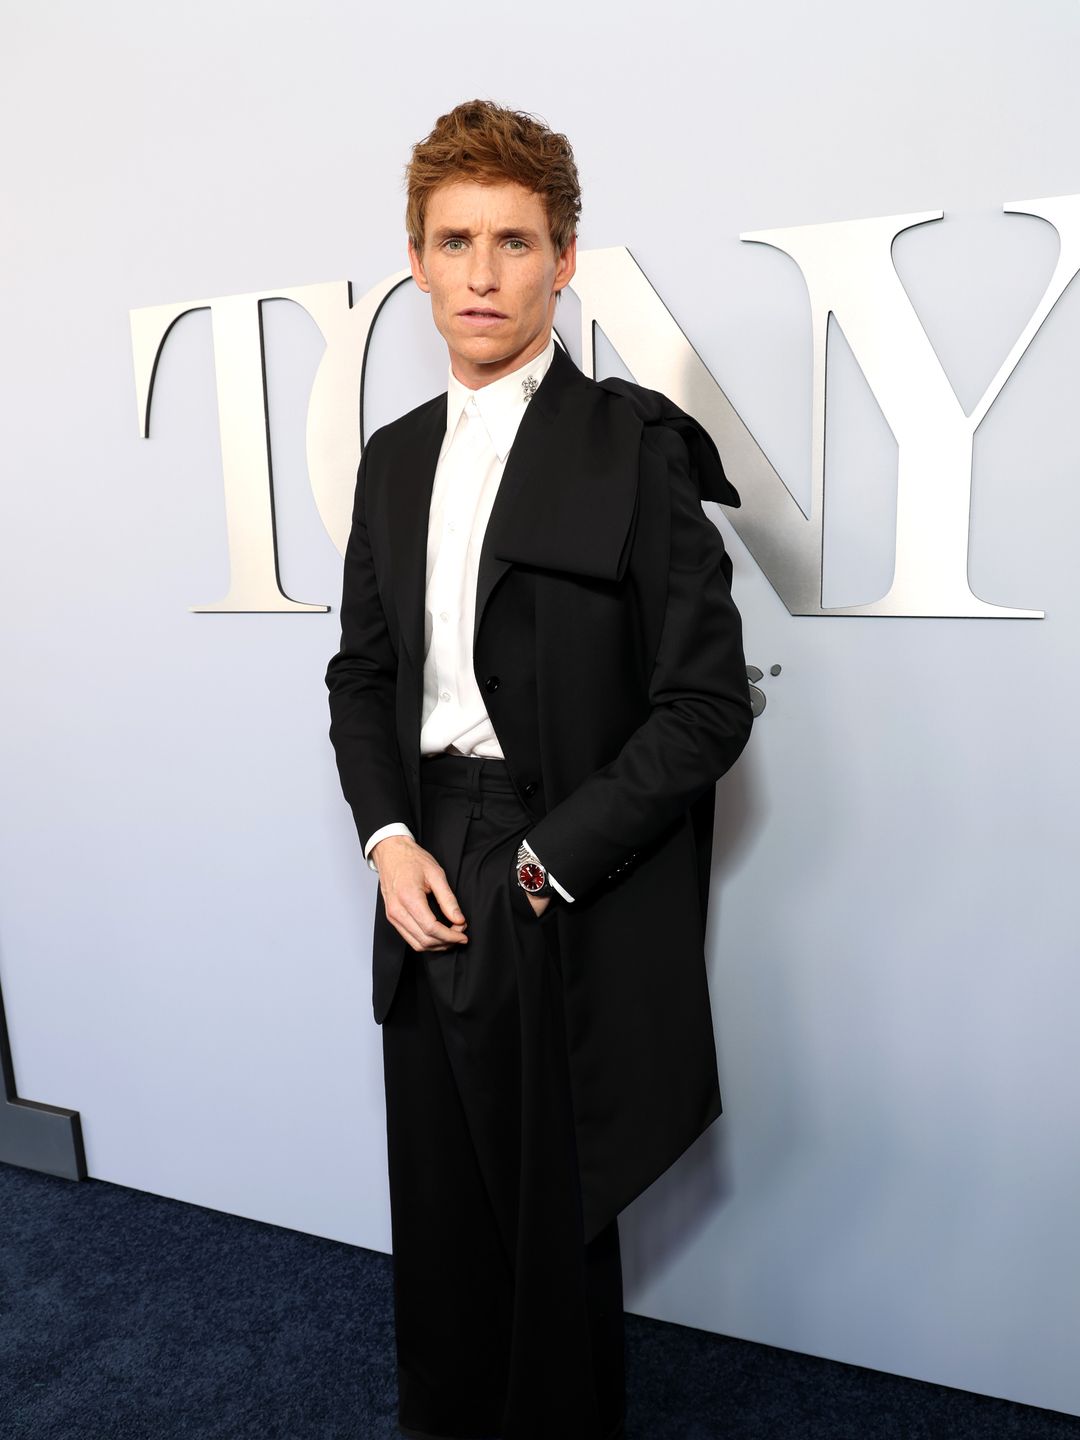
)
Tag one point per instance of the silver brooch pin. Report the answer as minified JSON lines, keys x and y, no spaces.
{"x":530,"y":385}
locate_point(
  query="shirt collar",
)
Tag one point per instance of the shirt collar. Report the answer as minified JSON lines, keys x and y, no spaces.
{"x":501,"y":403}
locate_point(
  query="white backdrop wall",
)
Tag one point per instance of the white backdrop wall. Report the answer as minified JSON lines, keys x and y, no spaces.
{"x":184,"y":911}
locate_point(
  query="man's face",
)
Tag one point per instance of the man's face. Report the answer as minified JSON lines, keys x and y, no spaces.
{"x":492,"y":273}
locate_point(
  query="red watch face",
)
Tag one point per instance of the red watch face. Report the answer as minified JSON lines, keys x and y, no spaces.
{"x":531,"y":877}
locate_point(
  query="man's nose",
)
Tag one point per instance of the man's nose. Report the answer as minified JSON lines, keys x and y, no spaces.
{"x":483,"y":272}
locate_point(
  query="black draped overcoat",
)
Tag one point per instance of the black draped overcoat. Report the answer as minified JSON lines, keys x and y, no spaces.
{"x":609,"y":653}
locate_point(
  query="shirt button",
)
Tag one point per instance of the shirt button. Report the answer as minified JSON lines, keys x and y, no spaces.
{"x":451,"y":526}
{"x":443,"y":615}
{"x":445,"y":695}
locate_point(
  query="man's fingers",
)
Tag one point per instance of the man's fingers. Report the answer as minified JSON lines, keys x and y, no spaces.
{"x":404,"y":924}
{"x":412,"y":915}
{"x":428,"y":923}
{"x":445,"y":896}
{"x":408,"y":929}
{"x":407,"y":885}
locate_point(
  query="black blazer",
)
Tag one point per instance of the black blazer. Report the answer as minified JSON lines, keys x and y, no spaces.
{"x":609,"y":652}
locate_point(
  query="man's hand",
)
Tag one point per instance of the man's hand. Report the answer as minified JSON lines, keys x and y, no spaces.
{"x":538,"y":903}
{"x":407,"y":875}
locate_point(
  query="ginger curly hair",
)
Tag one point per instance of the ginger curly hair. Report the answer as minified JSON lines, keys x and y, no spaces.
{"x":479,"y":140}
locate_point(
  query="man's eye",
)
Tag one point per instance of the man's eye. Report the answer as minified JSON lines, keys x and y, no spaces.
{"x":521,"y":243}
{"x":450,"y":244}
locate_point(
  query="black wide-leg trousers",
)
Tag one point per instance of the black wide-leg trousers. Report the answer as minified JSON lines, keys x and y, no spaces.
{"x":507,"y":1324}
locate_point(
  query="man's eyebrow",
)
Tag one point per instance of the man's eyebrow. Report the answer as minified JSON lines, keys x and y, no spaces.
{"x":447,"y":232}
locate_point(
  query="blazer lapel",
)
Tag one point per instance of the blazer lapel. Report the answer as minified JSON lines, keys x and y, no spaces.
{"x":569,"y":487}
{"x":408,"y":501}
{"x":565,"y":501}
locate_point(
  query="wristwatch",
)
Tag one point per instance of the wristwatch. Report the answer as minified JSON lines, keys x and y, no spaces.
{"x":531,"y":874}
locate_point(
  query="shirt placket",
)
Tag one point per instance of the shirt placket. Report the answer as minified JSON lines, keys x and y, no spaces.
{"x":449,"y":573}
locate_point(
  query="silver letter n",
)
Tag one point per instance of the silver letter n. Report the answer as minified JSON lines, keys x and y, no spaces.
{"x":849,"y":272}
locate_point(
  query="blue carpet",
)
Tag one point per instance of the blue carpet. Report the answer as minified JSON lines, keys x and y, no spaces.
{"x":126,"y":1316}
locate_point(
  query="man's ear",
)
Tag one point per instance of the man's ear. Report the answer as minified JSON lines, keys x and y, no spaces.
{"x":566,"y":264}
{"x":416,"y":265}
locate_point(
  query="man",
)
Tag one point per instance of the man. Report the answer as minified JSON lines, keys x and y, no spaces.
{"x":539,"y":681}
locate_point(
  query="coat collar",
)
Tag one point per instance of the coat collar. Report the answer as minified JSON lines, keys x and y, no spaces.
{"x":565,"y":501}
{"x":568,"y":490}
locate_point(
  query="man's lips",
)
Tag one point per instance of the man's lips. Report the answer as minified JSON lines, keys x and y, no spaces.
{"x":480,"y":318}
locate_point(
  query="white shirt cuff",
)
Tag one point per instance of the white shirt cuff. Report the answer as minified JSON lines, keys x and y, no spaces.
{"x":397,"y":827}
{"x":551,"y":878}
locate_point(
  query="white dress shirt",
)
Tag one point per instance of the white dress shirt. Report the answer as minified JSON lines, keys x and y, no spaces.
{"x":480,"y":429}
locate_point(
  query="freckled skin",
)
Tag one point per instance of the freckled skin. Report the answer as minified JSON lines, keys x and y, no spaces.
{"x":488,"y":246}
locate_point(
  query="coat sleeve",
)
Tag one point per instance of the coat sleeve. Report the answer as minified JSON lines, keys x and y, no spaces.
{"x":362,"y":682}
{"x":699,"y":703}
